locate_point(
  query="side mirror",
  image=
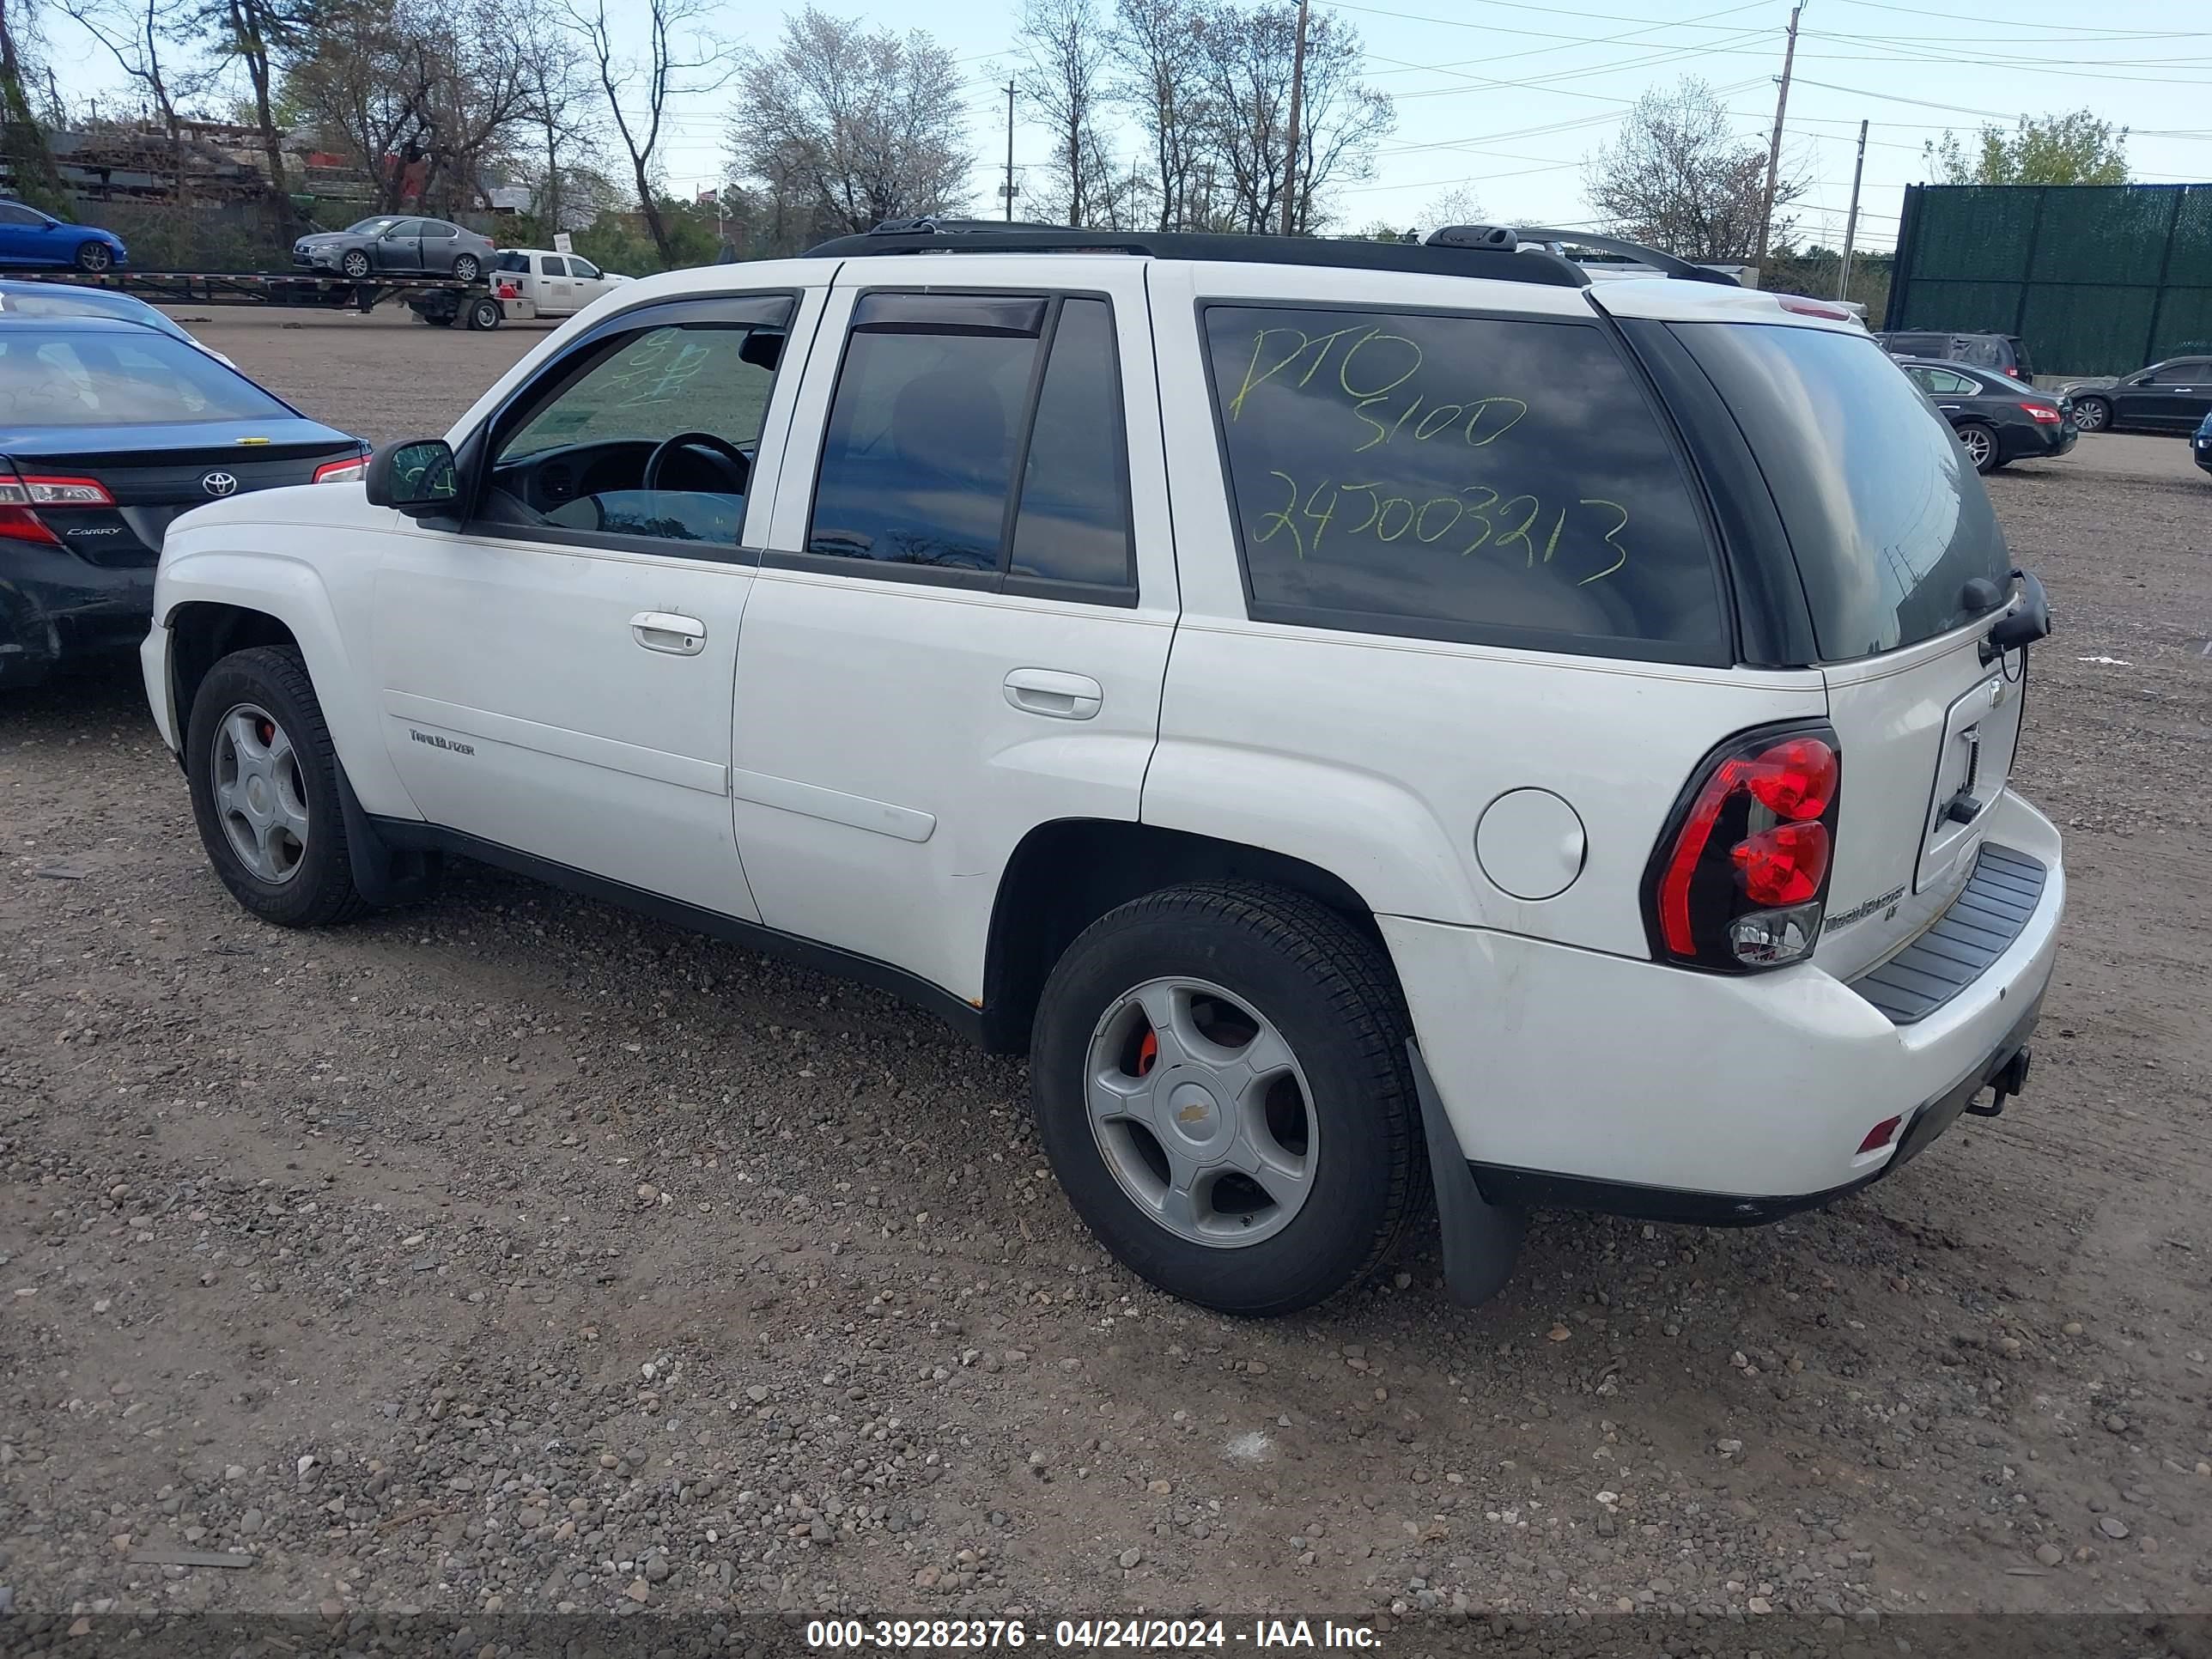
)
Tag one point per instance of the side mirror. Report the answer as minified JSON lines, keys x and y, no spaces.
{"x":417,"y":477}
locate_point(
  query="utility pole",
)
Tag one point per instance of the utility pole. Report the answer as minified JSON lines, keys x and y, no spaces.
{"x":1851,"y":224}
{"x":1010,"y":153}
{"x":1774,"y":144}
{"x":1297,"y":96}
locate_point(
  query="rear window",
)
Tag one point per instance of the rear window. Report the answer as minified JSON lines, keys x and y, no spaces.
{"x":1479,"y":478}
{"x":1886,"y":515}
{"x":116,"y":377}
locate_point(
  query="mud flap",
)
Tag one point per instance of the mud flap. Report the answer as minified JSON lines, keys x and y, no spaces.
{"x":383,"y":874}
{"x":1481,"y":1240}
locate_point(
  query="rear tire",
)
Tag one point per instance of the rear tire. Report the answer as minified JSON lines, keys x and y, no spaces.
{"x":1980,"y":443}
{"x":1318,"y":1100}
{"x":468,"y":268}
{"x":261,"y":704}
{"x":2092,"y":415}
{"x":483,"y":312}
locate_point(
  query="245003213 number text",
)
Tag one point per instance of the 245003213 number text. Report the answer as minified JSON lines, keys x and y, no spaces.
{"x":1471,"y":518}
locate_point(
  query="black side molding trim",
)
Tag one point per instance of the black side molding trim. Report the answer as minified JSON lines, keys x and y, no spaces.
{"x":963,"y":1017}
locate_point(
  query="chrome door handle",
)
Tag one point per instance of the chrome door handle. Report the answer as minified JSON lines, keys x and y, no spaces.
{"x":1056,"y":696}
{"x":662,"y":631}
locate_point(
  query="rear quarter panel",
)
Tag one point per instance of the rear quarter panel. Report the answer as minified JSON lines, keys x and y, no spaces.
{"x":1375,"y":756}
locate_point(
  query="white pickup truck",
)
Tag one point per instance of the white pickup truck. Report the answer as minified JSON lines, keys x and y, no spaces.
{"x":555,"y":284}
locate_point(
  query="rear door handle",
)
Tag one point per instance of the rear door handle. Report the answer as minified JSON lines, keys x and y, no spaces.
{"x":663,"y":630}
{"x":1056,"y":696}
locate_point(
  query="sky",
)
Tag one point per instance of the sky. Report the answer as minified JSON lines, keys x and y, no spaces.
{"x":1507,"y":98}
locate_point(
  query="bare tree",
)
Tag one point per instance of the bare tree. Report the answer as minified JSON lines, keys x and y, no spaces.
{"x":1244,"y":62}
{"x":681,"y":59}
{"x":254,"y":34}
{"x":1063,"y":75}
{"x":146,"y":38}
{"x":1459,"y":205}
{"x":562,"y":99}
{"x":1679,"y":176}
{"x":1154,"y":48}
{"x":22,"y":141}
{"x":849,"y":127}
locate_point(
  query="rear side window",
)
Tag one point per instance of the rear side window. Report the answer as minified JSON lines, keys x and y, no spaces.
{"x":979,"y":434}
{"x":1886,"y":516}
{"x":1459,"y":478}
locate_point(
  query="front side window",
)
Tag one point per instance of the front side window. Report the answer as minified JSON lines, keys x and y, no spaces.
{"x":946,"y":449}
{"x":2187,"y":372}
{"x":1460,"y":478}
{"x":648,"y":433}
{"x":583,"y":268}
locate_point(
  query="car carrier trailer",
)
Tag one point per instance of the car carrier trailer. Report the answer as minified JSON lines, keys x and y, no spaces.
{"x":440,"y":301}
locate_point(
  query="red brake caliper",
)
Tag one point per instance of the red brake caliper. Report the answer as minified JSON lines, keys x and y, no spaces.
{"x":1148,"y":1052}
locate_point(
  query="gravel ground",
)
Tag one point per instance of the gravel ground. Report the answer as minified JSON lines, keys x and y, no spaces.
{"x":516,"y":1255}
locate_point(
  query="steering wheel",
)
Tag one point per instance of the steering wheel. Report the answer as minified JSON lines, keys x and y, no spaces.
{"x":720,"y":448}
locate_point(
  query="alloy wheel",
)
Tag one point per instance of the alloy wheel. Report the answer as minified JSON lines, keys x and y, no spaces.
{"x":1201,"y":1113}
{"x":259,"y":794}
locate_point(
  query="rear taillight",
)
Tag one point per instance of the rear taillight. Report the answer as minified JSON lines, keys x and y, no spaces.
{"x":20,"y":496}
{"x":2014,"y":373}
{"x":1740,"y":879}
{"x":19,"y":523}
{"x":352,"y":469}
{"x":54,"y":492}
{"x":2047,"y":413}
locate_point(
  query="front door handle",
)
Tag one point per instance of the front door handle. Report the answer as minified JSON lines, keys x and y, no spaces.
{"x":663,"y":630}
{"x":1056,"y":696}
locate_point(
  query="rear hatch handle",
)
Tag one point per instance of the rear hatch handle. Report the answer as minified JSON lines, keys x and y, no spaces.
{"x":2028,"y":621}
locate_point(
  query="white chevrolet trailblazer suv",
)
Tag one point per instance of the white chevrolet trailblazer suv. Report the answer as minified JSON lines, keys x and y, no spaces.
{"x":1370,"y":721}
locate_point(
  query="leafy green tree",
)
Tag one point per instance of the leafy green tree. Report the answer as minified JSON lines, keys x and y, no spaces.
{"x":2073,"y":149}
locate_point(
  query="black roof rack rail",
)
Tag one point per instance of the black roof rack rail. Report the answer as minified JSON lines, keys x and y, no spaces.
{"x":1499,"y":260}
{"x":1666,"y":263}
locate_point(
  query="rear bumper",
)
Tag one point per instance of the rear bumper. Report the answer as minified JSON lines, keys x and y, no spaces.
{"x":2038,"y":443}
{"x":1582,"y":1075}
{"x":55,"y":607}
{"x":1535,"y":1189}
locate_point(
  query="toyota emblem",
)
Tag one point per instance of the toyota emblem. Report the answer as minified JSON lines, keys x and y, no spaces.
{"x":219,"y":485}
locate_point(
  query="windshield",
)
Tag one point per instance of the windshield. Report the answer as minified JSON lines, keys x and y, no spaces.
{"x":115,"y":379}
{"x":1887,"y":516}
{"x":371,"y":227}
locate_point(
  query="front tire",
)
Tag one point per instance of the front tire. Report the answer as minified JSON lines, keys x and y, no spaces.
{"x":264,"y":786}
{"x":2092,"y":415}
{"x":354,"y":266}
{"x":1220,"y":1080}
{"x":1980,"y":443}
{"x":95,"y":256}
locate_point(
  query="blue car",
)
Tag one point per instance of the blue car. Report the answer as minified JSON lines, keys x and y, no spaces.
{"x":28,"y":237}
{"x":108,"y":430}
{"x":2201,"y":444}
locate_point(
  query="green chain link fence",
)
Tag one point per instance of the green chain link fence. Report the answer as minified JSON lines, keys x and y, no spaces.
{"x":2098,"y":279}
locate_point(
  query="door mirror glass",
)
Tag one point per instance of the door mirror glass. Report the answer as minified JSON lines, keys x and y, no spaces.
{"x":417,"y":477}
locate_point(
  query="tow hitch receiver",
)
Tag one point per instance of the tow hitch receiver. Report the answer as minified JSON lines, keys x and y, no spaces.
{"x":2010,"y":1080}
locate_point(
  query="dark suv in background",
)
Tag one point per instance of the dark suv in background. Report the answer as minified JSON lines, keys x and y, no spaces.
{"x":2005,"y":353}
